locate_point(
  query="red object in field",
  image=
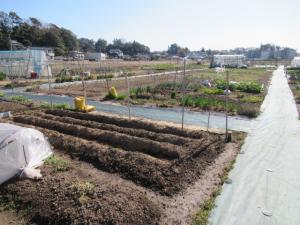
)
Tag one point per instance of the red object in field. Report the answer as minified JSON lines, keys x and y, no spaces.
{"x":33,"y":75}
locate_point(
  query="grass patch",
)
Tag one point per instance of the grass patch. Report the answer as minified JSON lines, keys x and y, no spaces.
{"x":59,"y":165}
{"x":252,"y":99}
{"x":19,"y":98}
{"x":47,"y":105}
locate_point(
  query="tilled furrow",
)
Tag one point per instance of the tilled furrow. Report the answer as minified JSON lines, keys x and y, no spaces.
{"x":138,"y":167}
{"x":160,"y":137}
{"x":136,"y":124}
{"x":126,"y":142}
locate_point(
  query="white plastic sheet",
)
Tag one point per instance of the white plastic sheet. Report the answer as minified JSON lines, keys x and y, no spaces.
{"x":265,"y":184}
{"x":20,"y":148}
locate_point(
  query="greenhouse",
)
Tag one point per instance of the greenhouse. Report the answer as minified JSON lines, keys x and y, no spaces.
{"x":228,"y":60}
{"x":22,"y":63}
{"x":296,"y":62}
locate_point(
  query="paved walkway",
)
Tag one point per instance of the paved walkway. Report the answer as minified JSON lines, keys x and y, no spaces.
{"x":265,"y":188}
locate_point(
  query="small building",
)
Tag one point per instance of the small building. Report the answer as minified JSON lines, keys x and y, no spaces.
{"x":95,"y":56}
{"x":229,"y":61}
{"x":24,"y":63}
{"x":295,"y":62}
{"x":197,"y":55}
{"x":15,"y":45}
{"x":76,"y":55}
{"x":49,"y":51}
{"x":115,"y":53}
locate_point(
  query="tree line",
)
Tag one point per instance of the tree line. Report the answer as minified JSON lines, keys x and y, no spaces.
{"x":32,"y":32}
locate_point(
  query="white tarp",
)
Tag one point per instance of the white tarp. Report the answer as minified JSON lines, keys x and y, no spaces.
{"x":265,"y":186}
{"x":20,"y":148}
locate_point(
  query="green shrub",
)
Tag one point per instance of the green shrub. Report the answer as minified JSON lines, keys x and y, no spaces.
{"x":173,"y":95}
{"x":8,"y":85}
{"x":138,"y":92}
{"x":107,"y":76}
{"x":252,"y":99}
{"x":251,"y":112}
{"x":250,"y":87}
{"x":121,"y":97}
{"x":212,"y":91}
{"x":188,"y":101}
{"x":148,"y":89}
{"x":109,"y":96}
{"x":2,"y":94}
{"x":2,"y":76}
{"x":221,"y":84}
{"x":63,"y":79}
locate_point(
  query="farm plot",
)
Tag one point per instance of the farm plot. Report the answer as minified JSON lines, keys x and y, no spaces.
{"x":111,"y":170}
{"x":164,"y":164}
{"x":205,"y":90}
{"x":199,"y":90}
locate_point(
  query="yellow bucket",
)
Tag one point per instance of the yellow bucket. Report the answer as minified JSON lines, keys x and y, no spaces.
{"x":79,"y":103}
{"x":113,"y":92}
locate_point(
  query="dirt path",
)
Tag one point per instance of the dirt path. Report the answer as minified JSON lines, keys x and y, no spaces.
{"x":266,"y":178}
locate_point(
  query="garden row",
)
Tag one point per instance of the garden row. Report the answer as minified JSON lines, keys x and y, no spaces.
{"x":161,"y":158}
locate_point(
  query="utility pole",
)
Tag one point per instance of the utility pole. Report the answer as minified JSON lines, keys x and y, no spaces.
{"x":227,"y":93}
{"x":183,"y":95}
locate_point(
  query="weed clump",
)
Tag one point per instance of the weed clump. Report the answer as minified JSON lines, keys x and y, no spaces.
{"x":59,"y":165}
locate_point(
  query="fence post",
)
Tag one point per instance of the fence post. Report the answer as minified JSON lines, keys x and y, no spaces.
{"x":227,"y":93}
{"x":208,"y":120}
{"x":128,"y":96}
{"x":49,"y":84}
{"x":183,"y":88}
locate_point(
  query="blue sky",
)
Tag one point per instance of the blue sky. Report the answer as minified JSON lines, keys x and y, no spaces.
{"x":216,"y":24}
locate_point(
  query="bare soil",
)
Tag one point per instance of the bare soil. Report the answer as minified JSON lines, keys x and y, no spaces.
{"x":14,"y":107}
{"x":141,"y":172}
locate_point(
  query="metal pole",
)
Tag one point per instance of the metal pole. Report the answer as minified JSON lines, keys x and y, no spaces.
{"x":183,"y":103}
{"x":50,"y":92}
{"x":128,"y":96}
{"x":208,"y":120}
{"x":227,"y":92}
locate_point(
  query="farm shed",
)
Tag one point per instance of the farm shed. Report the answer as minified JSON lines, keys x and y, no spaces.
{"x":95,"y":56}
{"x":228,"y":60}
{"x":21,"y":63}
{"x":296,"y":62}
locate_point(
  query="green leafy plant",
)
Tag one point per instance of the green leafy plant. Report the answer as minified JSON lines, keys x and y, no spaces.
{"x":19,"y":98}
{"x":173,"y":95}
{"x":121,"y":97}
{"x":250,"y":87}
{"x":59,"y":165}
{"x":212,"y":91}
{"x":2,"y":76}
